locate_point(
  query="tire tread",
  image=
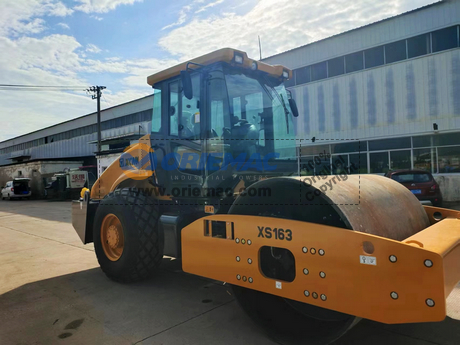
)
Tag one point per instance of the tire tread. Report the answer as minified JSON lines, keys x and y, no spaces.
{"x":149,"y":234}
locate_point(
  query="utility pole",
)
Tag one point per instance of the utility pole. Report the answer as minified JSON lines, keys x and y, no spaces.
{"x":97,"y":92}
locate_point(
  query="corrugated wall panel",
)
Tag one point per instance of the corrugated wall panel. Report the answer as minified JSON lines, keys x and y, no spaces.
{"x":398,"y":99}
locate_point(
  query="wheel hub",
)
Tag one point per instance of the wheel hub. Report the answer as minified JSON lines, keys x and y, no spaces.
{"x":113,"y":237}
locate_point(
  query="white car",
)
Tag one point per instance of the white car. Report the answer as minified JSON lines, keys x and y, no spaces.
{"x":17,"y":189}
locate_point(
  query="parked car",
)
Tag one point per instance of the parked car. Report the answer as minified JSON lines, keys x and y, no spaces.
{"x":17,"y":189}
{"x":421,"y":183}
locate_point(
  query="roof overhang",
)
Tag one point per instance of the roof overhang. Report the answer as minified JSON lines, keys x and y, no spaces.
{"x":221,"y":55}
{"x":20,"y":157}
{"x":118,"y":138}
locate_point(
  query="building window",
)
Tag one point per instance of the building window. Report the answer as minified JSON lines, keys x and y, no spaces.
{"x":336,"y":67}
{"x":374,"y":57}
{"x":339,"y":164}
{"x":389,"y":144}
{"x":444,"y":39}
{"x":379,"y":162}
{"x":302,"y":75}
{"x":446,"y":139}
{"x":422,"y":141}
{"x":424,"y":158}
{"x":319,"y":71}
{"x":313,"y":150}
{"x":418,"y":45}
{"x":395,"y":51}
{"x":307,"y":165}
{"x":400,"y":160}
{"x":358,"y":163}
{"x":449,"y":159}
{"x":324,"y":168}
{"x":352,"y":146}
{"x":354,"y":62}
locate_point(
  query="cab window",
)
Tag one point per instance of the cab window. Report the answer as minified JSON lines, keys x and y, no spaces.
{"x":185,"y":119}
{"x":156,"y":112}
{"x":174,"y":108}
{"x":190,"y":122}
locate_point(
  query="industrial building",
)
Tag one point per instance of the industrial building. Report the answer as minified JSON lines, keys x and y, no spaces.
{"x":73,"y":144}
{"x":383,"y":96}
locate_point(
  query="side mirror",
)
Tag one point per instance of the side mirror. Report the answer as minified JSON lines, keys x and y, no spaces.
{"x":294,"y":109}
{"x":186,"y":84}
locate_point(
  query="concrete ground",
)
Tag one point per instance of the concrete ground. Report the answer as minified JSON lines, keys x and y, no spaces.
{"x":53,"y":292}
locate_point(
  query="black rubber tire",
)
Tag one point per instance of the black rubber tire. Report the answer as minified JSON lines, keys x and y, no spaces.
{"x":277,"y":317}
{"x":143,"y":235}
{"x":288,"y":321}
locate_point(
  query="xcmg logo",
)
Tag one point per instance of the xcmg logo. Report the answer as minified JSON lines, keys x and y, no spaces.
{"x":129,"y":162}
{"x":217,"y":161}
{"x":138,"y":161}
{"x":135,"y":161}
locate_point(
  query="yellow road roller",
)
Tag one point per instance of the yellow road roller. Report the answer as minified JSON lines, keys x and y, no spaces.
{"x":217,"y":184}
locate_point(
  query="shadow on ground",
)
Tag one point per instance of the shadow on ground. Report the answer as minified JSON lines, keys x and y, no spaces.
{"x":172,"y":308}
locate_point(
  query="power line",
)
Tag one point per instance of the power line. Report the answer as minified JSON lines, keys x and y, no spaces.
{"x":44,"y":86}
{"x":106,"y":101}
{"x":38,"y":90}
{"x":23,"y":87}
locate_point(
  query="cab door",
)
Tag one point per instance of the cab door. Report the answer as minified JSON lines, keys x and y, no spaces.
{"x":180,"y":138}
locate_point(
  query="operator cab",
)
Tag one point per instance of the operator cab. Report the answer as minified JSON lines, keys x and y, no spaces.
{"x":220,"y":117}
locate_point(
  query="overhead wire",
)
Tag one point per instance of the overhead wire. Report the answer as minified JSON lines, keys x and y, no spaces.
{"x":22,"y":87}
{"x":43,"y":86}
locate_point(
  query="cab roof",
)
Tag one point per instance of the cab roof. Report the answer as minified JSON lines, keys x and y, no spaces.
{"x":224,"y":55}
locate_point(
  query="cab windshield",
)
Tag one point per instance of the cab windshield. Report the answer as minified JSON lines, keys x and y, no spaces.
{"x":250,"y":112}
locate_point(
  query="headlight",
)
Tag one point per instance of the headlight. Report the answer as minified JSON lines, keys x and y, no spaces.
{"x":285,"y":74}
{"x":238,"y":58}
{"x":254,"y":66}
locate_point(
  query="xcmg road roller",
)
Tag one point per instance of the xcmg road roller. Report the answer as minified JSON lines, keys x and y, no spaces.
{"x":217,"y":184}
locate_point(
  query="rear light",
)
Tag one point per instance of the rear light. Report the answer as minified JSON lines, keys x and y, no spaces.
{"x":433,"y":187}
{"x":12,"y":189}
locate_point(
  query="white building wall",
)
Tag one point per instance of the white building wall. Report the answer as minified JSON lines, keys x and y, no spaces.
{"x":103,"y":162}
{"x":402,"y":98}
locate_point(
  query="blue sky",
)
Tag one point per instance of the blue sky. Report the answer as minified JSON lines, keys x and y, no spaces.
{"x":118,"y":43}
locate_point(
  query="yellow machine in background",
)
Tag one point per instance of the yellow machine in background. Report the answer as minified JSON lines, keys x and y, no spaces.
{"x":215,"y":184}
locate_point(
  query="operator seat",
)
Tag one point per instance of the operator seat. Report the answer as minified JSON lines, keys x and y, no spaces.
{"x":243,"y":137}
